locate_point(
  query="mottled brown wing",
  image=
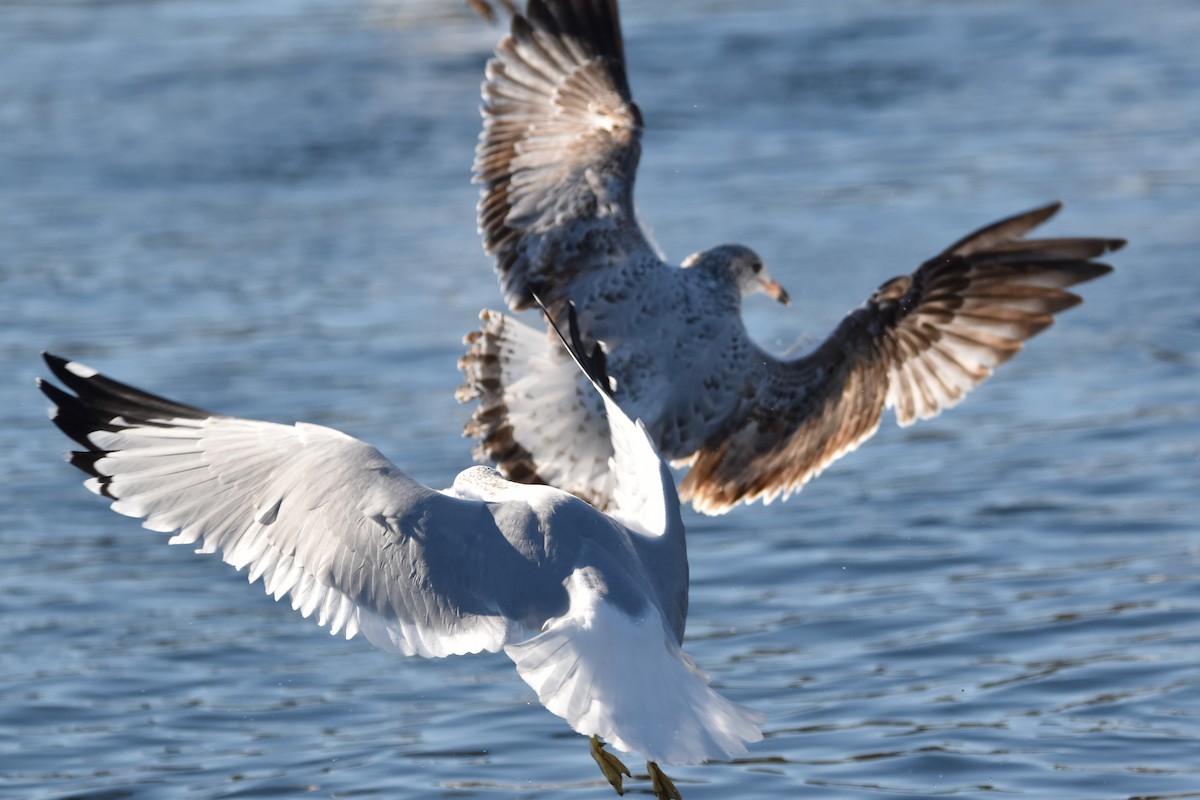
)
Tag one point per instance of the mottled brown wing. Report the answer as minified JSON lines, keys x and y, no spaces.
{"x":485,"y":9}
{"x":559,"y":150}
{"x":918,"y":345}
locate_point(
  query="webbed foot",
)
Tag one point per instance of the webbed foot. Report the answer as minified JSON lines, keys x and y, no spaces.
{"x":664,"y":789}
{"x":610,"y":765}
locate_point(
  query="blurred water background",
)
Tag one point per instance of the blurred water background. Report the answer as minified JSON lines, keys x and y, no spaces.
{"x":264,"y":208}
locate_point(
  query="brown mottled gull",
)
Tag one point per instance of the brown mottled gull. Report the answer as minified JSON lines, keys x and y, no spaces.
{"x":557,"y":159}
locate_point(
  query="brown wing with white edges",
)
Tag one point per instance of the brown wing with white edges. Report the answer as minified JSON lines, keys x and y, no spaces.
{"x":559,"y":150}
{"x":537,"y":418}
{"x":918,"y":345}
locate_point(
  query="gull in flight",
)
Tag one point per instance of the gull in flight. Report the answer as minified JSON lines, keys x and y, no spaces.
{"x":590,"y":606}
{"x":557,"y":159}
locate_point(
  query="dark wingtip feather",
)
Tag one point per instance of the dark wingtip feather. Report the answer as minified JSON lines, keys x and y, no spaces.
{"x":592,"y":361}
{"x":1006,"y":230}
{"x":86,"y":461}
{"x":68,"y":414}
{"x":74,"y":419}
{"x":107,"y":396}
{"x":57,"y":364}
{"x":1049,"y":210}
{"x":102,"y":404}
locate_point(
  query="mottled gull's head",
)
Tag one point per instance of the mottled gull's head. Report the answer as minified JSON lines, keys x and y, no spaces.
{"x":741,"y":268}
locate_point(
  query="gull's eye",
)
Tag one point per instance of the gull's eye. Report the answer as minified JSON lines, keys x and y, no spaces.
{"x":757,"y":267}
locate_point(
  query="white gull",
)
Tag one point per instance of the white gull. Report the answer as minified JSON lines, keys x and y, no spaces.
{"x":589,"y":606}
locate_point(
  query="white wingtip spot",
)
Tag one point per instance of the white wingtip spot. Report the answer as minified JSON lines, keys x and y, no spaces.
{"x":80,"y":370}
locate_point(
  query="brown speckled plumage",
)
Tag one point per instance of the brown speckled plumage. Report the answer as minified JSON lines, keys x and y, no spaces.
{"x":557,"y":159}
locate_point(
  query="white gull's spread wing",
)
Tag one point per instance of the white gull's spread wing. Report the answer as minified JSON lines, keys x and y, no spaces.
{"x":559,"y":150}
{"x":316,"y":514}
{"x":918,"y":345}
{"x":327,"y":520}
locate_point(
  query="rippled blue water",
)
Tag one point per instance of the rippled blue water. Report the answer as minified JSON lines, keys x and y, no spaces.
{"x":264,"y":209}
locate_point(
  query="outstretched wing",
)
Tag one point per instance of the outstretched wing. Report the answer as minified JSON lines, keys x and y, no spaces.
{"x":918,"y":345}
{"x":317,"y":514}
{"x":559,"y":150}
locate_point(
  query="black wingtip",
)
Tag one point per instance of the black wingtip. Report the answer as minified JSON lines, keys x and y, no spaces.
{"x":1037,"y":217}
{"x":57,"y":364}
{"x":592,"y":361}
{"x":595,"y":361}
{"x":101,"y":404}
{"x":74,"y":375}
{"x":54,"y":394}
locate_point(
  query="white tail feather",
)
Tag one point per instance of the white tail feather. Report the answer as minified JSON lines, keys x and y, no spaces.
{"x":628,"y":681}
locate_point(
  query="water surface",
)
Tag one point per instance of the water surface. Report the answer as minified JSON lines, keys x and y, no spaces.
{"x":265,"y":209}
